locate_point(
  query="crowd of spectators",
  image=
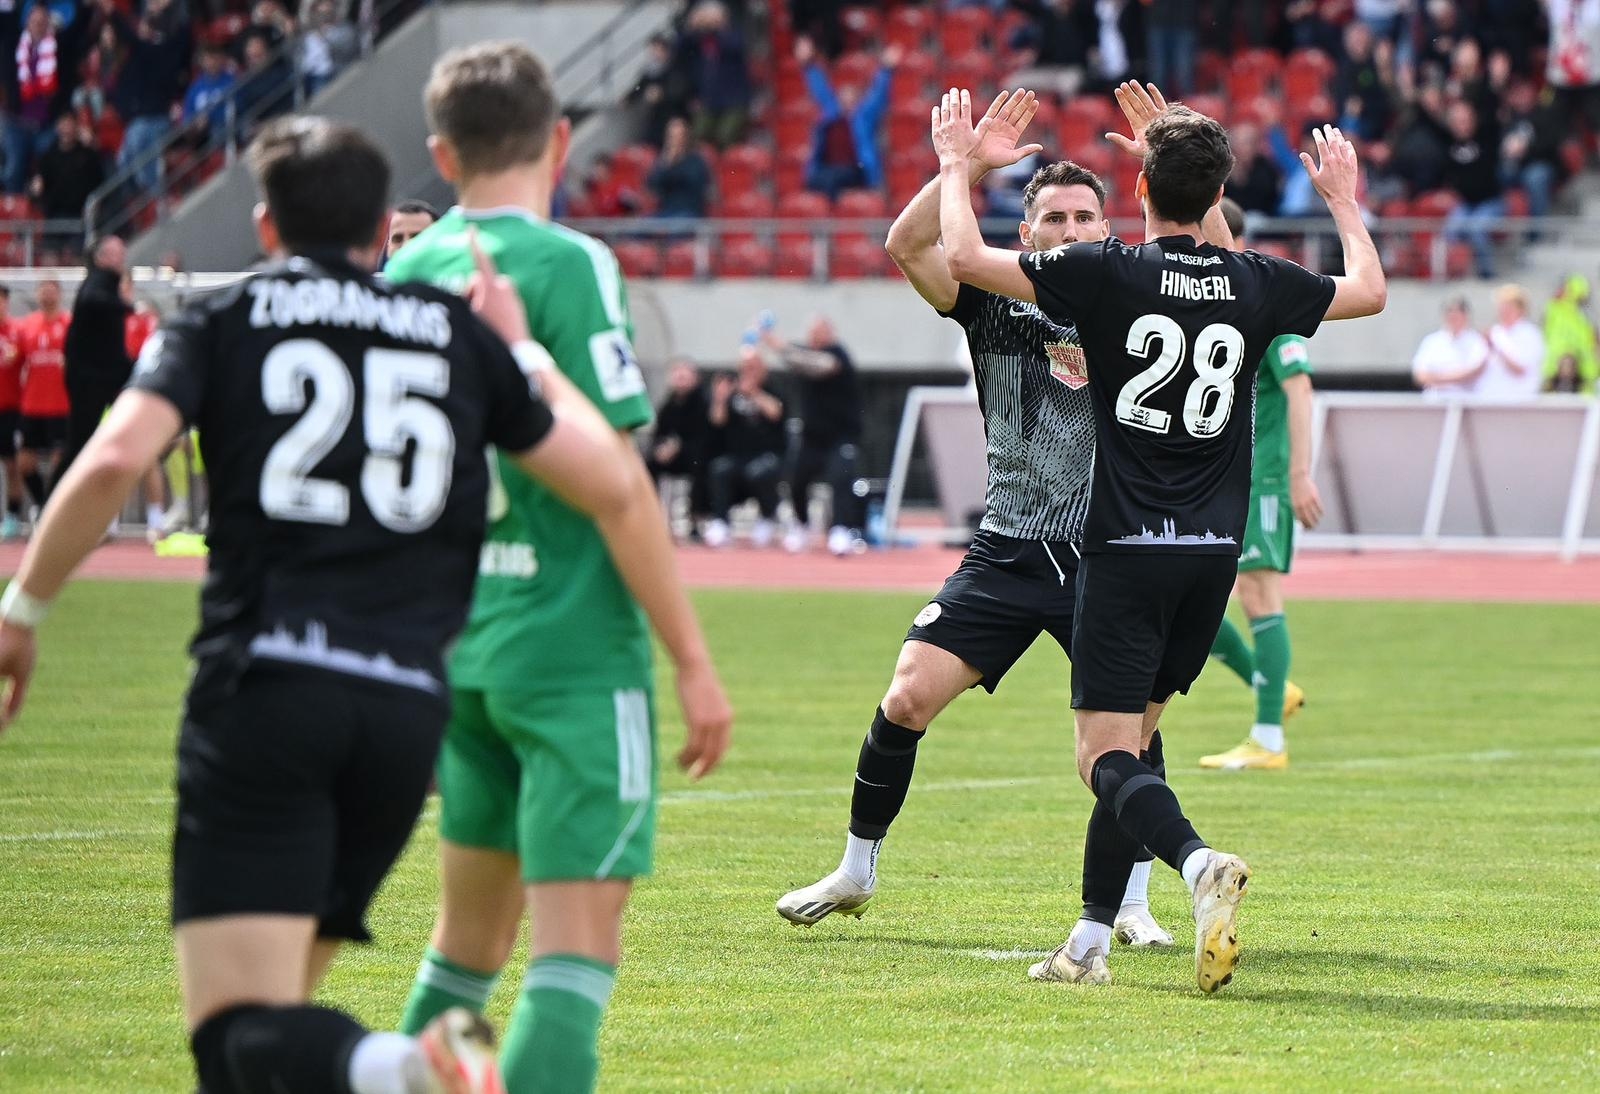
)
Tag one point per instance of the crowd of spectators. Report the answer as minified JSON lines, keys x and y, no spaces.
{"x":1518,"y":355}
{"x":95,"y":86}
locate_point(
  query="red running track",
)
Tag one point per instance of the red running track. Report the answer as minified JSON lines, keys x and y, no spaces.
{"x":1333,"y":575}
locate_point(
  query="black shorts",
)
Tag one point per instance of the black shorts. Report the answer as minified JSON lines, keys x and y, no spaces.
{"x":1145,"y":626}
{"x":9,"y":420}
{"x":296,"y":793}
{"x":1005,"y":593}
{"x":40,"y":434}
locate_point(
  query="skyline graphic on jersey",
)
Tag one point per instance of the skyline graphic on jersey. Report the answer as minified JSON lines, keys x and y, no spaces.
{"x":1169,"y":536}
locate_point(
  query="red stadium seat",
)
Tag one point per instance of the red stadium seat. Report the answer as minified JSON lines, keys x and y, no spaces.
{"x":742,"y":258}
{"x":791,"y":171}
{"x":631,"y":164}
{"x":1435,"y":203}
{"x":803,"y":206}
{"x":863,"y":26}
{"x":963,"y":31}
{"x":973,"y":71}
{"x":855,"y":256}
{"x":744,"y":167}
{"x":1210,"y":71}
{"x":1317,"y":110}
{"x":796,"y":257}
{"x":638,"y":259}
{"x":1306,"y":73}
{"x":908,"y":28}
{"x":793,"y":127}
{"x":680,"y":260}
{"x":1517,"y":203}
{"x":1269,"y":62}
{"x":860,"y":205}
{"x":17,"y":207}
{"x":908,"y":127}
{"x":1212,"y":106}
{"x":748,"y":205}
{"x":912,"y":80}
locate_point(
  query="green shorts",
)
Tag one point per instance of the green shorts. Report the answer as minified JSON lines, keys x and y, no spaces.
{"x":1269,"y":535}
{"x":565,"y":781}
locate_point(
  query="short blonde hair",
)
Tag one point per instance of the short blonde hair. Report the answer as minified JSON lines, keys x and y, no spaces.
{"x":1512,"y":294}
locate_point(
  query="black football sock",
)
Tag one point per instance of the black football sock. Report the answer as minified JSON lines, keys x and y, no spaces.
{"x":883,"y":777}
{"x":1109,"y":853}
{"x":35,"y":484}
{"x":264,"y":1050}
{"x":1156,"y":760}
{"x":1145,"y":806}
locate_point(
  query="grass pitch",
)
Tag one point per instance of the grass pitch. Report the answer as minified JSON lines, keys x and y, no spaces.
{"x":1421,"y":916}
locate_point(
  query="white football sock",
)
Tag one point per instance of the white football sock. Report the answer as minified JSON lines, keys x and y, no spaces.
{"x":861,"y":860}
{"x":380,"y":1063}
{"x":1138,"y":891}
{"x":1088,"y":935}
{"x":1194,"y":866}
{"x":154,"y":517}
{"x":1268,"y":737}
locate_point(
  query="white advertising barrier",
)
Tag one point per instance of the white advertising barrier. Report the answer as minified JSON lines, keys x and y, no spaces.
{"x":1398,"y":471}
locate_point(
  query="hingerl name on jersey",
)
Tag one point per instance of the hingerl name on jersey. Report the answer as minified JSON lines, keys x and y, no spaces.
{"x":1188,"y":287}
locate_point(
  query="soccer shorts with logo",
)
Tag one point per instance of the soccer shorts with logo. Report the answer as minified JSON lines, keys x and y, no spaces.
{"x":1005,"y":593}
{"x":566,"y":781}
{"x":1145,"y":625}
{"x":1269,"y":534}
{"x":297,"y":790}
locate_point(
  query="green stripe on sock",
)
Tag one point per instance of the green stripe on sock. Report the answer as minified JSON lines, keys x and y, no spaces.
{"x":553,"y":1043}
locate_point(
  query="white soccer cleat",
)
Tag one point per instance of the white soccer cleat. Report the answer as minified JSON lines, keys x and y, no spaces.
{"x":795,"y":540}
{"x":1060,"y":968}
{"x":1216,"y":909}
{"x":457,"y":1056}
{"x":1136,"y":927}
{"x":838,"y":892}
{"x":716,"y":533}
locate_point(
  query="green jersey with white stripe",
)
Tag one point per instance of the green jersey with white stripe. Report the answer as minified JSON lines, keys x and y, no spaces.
{"x":550,"y":610}
{"x":1286,"y":357}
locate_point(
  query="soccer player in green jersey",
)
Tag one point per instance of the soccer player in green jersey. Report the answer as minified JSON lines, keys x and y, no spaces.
{"x":1281,"y":489}
{"x":548,"y":773}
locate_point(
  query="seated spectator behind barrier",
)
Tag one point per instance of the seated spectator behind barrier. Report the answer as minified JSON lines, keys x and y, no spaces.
{"x":830,"y":433}
{"x":1055,"y":45}
{"x":206,"y":104}
{"x":1450,"y":360}
{"x":68,"y":172}
{"x":748,"y":418}
{"x":680,"y":179}
{"x":605,"y":194}
{"x":1569,"y":338}
{"x":328,"y":44}
{"x":711,"y":53}
{"x":844,"y":148}
{"x":1530,"y":153}
{"x":1473,"y":172}
{"x":1515,"y":369}
{"x":682,"y":442}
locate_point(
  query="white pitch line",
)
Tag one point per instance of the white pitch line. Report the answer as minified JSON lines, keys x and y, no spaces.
{"x":690,"y":797}
{"x":1008,"y":955}
{"x":68,"y":836}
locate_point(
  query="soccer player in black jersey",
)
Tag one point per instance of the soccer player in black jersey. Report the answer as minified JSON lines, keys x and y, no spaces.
{"x":345,"y":423}
{"x":1018,"y":579}
{"x":1173,"y":330}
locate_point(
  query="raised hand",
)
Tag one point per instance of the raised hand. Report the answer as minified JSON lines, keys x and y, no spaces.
{"x":953,"y":136}
{"x":1000,"y":129}
{"x":1141,"y":106}
{"x":1334,"y":172}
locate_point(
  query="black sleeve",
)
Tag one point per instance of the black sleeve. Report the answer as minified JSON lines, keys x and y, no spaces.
{"x":969,"y":300}
{"x":1296,"y":296}
{"x":518,"y":419}
{"x":175,"y":361}
{"x":1066,"y":279}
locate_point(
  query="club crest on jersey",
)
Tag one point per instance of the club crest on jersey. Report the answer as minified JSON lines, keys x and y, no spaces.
{"x":1068,"y":364}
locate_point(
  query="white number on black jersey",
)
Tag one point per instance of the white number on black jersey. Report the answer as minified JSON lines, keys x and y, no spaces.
{"x":392,"y":423}
{"x":1218,"y":353}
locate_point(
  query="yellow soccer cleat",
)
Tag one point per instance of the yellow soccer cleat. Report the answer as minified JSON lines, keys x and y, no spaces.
{"x":1216,"y":911}
{"x":1248,"y":756}
{"x":1294,"y":697}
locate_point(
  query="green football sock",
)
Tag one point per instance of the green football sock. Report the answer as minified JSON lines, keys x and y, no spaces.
{"x":440,"y":985}
{"x":553,"y":1045}
{"x":1272,"y":666}
{"x":1232,"y":650}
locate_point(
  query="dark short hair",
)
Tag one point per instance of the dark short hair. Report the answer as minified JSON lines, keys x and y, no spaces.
{"x":494,"y":103}
{"x":1234,"y":215}
{"x":1187,"y":160}
{"x":325,"y":183}
{"x":1061,"y":173}
{"x":416,"y":205}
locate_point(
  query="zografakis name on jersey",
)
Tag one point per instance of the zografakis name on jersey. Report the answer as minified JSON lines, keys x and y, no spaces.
{"x":327,"y":302}
{"x":1188,"y":287}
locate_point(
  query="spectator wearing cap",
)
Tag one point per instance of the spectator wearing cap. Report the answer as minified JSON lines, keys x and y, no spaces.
{"x":844,"y":147}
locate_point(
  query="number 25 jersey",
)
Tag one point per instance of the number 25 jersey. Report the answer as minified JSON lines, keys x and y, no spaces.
{"x":1173,"y":332}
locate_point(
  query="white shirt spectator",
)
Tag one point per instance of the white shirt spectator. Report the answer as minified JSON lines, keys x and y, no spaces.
{"x":1516,"y":362}
{"x":1447,"y":363}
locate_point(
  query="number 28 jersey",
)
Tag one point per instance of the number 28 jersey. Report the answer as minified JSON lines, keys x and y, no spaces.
{"x":1173,"y":332}
{"x":344,"y":425}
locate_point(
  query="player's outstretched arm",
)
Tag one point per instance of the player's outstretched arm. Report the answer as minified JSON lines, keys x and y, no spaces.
{"x":74,"y":522}
{"x":1141,"y":106}
{"x":1363,"y":290}
{"x":913,"y":241}
{"x":971,"y":261}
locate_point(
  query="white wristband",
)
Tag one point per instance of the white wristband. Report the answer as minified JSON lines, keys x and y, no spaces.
{"x":532,"y":357}
{"x":21,"y":609}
